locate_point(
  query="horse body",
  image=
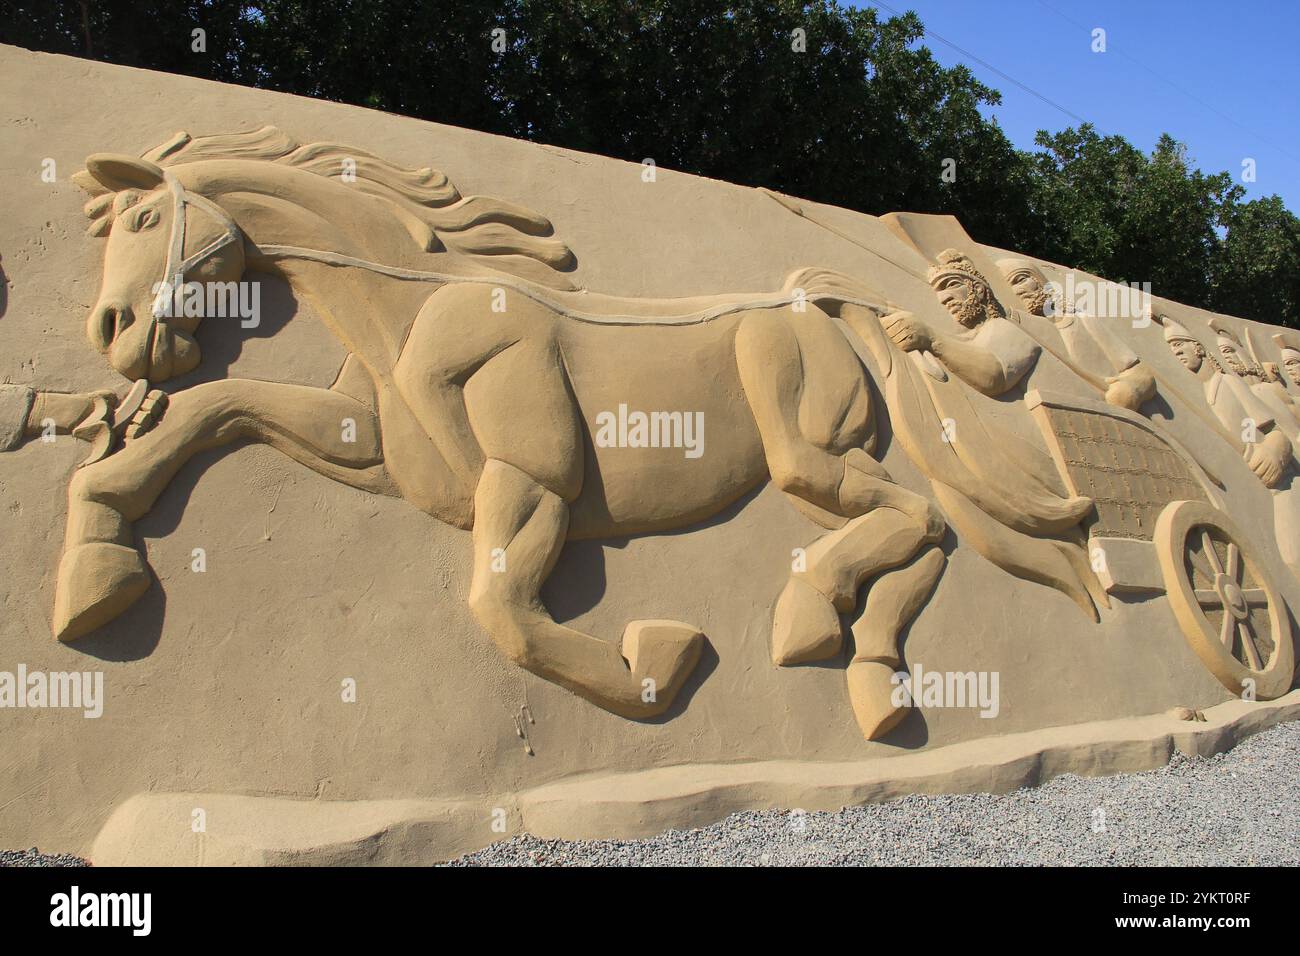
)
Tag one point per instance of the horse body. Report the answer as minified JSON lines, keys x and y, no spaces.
{"x":479,"y":398}
{"x":530,"y":386}
{"x":684,"y":371}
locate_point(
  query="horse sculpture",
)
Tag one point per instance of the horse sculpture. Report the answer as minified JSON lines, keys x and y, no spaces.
{"x":474,"y":377}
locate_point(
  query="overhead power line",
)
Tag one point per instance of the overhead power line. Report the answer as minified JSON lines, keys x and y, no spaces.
{"x":991,"y":68}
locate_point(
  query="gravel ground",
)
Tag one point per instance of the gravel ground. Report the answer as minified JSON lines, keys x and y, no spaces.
{"x":35,"y":857}
{"x":1234,"y":809}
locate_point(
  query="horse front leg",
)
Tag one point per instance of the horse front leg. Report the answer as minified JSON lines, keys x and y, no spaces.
{"x":519,"y":529}
{"x":102,"y":573}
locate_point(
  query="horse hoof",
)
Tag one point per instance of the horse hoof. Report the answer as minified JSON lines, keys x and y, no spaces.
{"x":96,"y":583}
{"x":660,"y":655}
{"x":871,"y":691}
{"x":805,"y":626}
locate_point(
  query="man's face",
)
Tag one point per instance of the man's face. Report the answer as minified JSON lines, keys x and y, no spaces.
{"x":1292,"y":366}
{"x":1189,"y":353}
{"x":964,"y":298}
{"x":1031,"y":290}
{"x":1232,"y":360}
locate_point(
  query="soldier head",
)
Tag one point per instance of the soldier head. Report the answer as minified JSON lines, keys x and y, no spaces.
{"x":1030,"y":286}
{"x":1185,"y":346}
{"x":962,"y":290}
{"x":1289,"y":343}
{"x":1230,"y":350}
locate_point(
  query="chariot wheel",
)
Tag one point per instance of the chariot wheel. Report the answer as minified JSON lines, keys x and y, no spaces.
{"x":1225,"y":601}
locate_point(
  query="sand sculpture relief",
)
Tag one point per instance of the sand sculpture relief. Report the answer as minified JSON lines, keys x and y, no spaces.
{"x":486,"y":388}
{"x":425,"y":408}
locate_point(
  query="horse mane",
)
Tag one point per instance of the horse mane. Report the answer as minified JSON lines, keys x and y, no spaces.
{"x":498,"y":234}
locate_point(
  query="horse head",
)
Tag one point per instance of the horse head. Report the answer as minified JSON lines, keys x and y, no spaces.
{"x":158,"y":247}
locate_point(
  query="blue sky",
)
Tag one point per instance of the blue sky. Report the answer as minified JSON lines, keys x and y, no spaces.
{"x":1221,"y":76}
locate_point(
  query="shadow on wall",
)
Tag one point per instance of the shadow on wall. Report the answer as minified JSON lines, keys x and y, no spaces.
{"x":222,"y":339}
{"x":131,"y":636}
{"x":577,"y":584}
{"x":135,"y":634}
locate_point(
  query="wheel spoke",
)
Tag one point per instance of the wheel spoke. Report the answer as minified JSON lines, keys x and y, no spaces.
{"x":1255,"y":597}
{"x":1207,"y":543}
{"x":1225,"y":633}
{"x":1248,"y":645}
{"x":1234,"y":563}
{"x":1200,"y":564}
{"x":1208,"y":597}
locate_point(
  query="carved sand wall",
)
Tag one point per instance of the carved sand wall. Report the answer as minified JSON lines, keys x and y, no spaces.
{"x":541,"y":490}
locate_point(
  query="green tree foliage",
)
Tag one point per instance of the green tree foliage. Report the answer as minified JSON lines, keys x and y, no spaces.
{"x":862,"y":116}
{"x":151,"y":34}
{"x":1257,"y":269}
{"x":1132,"y":217}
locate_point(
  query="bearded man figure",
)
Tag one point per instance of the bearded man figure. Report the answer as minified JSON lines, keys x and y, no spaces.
{"x":993,"y":357}
{"x":1096,"y":352}
{"x":1002,"y":494}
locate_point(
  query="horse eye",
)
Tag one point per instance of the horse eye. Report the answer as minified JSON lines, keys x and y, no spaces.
{"x":144,"y":219}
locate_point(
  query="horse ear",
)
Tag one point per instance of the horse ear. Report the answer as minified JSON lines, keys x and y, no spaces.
{"x":117,"y":171}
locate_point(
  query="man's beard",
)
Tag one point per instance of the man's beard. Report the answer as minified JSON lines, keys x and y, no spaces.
{"x":972,"y":311}
{"x":1036,"y":302}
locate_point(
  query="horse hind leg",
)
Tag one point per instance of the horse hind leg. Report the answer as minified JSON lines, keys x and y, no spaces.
{"x":878,"y":525}
{"x":905,"y":563}
{"x":892,"y":601}
{"x":806,"y":623}
{"x":519,"y":530}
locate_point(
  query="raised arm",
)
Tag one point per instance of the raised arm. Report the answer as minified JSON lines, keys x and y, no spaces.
{"x":992,"y":367}
{"x":975,"y":365}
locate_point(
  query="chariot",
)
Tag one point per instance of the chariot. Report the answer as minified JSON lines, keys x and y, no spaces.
{"x":1160,"y":525}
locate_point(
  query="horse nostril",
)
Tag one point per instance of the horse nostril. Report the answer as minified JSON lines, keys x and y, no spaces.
{"x":110,"y":322}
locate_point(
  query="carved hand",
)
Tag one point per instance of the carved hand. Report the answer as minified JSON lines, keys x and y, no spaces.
{"x":1131,"y":388}
{"x":1268,"y":458}
{"x":147,"y":415}
{"x":907,"y":331}
{"x":66,"y":410}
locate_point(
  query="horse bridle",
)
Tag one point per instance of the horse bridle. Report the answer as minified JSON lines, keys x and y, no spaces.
{"x":177,"y":265}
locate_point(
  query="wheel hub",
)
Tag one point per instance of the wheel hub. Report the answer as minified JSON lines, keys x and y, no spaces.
{"x":1233,"y":599}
